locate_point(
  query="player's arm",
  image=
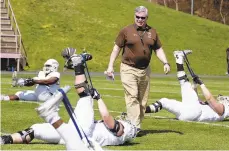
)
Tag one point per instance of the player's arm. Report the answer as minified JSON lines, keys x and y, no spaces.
{"x":105,"y":115}
{"x":50,"y":81}
{"x":213,"y":103}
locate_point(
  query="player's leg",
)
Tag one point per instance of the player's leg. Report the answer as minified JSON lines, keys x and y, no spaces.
{"x":26,"y":95}
{"x":85,"y":114}
{"x":49,"y":112}
{"x":46,"y":132}
{"x":170,"y":105}
{"x":191,"y":106}
{"x":20,"y":137}
{"x":43,"y":131}
{"x":187,"y":91}
{"x":9,"y":97}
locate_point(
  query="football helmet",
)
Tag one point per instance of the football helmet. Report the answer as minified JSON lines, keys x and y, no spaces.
{"x":51,"y":65}
{"x":223,"y":99}
{"x":130,"y":131}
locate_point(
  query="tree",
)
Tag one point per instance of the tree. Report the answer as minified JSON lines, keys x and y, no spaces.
{"x":177,"y":6}
{"x":165,"y":3}
{"x":221,"y":13}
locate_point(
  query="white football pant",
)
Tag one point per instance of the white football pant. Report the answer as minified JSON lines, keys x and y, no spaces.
{"x":187,"y":110}
{"x":85,"y":115}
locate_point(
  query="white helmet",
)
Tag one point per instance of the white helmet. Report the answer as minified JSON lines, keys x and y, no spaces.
{"x":51,"y":65}
{"x":130,"y":131}
{"x":223,"y":99}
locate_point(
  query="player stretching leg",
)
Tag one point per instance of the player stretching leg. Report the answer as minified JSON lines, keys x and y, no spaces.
{"x":191,"y":108}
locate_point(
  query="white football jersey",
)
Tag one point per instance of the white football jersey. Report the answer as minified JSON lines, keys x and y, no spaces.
{"x":226,"y":110}
{"x":104,"y":137}
{"x":208,"y":114}
{"x":45,"y":89}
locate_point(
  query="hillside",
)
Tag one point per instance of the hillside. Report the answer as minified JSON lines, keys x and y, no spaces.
{"x":49,"y":26}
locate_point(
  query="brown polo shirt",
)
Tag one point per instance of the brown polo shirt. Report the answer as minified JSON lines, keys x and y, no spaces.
{"x":137,"y":44}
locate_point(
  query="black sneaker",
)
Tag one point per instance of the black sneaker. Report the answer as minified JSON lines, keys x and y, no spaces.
{"x":140,"y":132}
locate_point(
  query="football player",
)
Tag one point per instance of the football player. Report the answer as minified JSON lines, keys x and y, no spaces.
{"x":108,"y":131}
{"x":47,"y":82}
{"x":191,"y":108}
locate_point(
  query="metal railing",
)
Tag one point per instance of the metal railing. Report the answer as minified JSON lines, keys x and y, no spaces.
{"x":18,"y":38}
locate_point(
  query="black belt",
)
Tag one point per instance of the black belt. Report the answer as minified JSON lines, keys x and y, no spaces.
{"x":136,"y":66}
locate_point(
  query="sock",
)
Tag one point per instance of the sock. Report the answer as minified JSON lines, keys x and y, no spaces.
{"x":5,"y":98}
{"x":153,"y":108}
{"x":182,"y":77}
{"x":148,"y":109}
{"x":71,"y":137}
{"x":180,"y":67}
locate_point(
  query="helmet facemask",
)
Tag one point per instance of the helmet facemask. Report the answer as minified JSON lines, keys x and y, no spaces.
{"x":130,"y":131}
{"x":50,"y":65}
{"x":223,"y":99}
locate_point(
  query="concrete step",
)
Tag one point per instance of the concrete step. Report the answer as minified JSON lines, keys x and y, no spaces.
{"x":7,"y":32}
{"x":6,"y":26}
{"x":5,"y":22}
{"x":12,"y":44}
{"x":4,"y":11}
{"x":5,"y":50}
{"x":4,"y":15}
{"x":9,"y":49}
{"x":8,"y":38}
{"x":3,"y":5}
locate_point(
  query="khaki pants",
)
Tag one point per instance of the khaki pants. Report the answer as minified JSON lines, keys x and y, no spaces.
{"x":136,"y":83}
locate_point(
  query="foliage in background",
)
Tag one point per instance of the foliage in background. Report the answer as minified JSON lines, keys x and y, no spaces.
{"x":49,"y":26}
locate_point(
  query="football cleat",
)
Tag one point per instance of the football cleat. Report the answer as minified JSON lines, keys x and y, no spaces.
{"x":179,"y":55}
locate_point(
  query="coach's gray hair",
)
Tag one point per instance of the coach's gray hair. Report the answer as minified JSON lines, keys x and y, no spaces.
{"x":141,"y":9}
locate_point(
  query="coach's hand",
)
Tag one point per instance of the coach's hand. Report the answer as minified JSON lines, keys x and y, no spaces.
{"x":166,"y":68}
{"x":94,"y":94}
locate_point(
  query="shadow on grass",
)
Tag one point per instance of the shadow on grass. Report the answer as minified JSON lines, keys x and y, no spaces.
{"x":146,"y":132}
{"x":165,"y":118}
{"x":129,"y":144}
{"x":35,"y":143}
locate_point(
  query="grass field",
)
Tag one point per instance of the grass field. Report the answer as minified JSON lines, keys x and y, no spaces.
{"x":163,"y":132}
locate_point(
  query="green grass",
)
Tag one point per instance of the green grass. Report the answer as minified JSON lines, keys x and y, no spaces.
{"x":49,"y":26}
{"x":163,"y":132}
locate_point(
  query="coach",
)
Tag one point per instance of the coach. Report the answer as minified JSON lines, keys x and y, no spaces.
{"x":137,"y":41}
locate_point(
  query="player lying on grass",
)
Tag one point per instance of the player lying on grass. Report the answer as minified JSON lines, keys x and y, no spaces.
{"x":192,"y":108}
{"x":108,"y":131}
{"x":47,"y":82}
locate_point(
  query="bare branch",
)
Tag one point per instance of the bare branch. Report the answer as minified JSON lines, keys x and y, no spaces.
{"x":221,"y":13}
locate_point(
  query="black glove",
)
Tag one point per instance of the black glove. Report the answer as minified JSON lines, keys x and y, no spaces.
{"x":94,"y":94}
{"x":197,"y":80}
{"x":68,"y":64}
{"x":29,"y":82}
